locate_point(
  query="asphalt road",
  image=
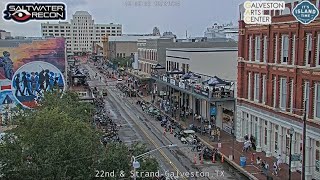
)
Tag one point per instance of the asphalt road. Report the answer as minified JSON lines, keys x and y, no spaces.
{"x":137,"y":126}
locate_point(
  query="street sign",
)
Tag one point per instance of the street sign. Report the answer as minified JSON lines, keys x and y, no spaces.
{"x":219,"y":145}
{"x":295,"y":157}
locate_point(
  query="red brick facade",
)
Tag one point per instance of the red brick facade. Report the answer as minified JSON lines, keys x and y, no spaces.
{"x":299,"y":72}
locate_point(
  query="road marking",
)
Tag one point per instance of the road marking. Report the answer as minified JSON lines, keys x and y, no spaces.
{"x":160,"y":150}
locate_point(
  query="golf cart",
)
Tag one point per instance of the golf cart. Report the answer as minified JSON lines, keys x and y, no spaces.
{"x":187,"y":136}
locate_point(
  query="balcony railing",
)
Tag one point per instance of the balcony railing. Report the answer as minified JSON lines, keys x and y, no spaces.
{"x":196,"y":88}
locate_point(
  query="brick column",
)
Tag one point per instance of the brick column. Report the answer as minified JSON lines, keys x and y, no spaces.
{"x":277,"y":91}
{"x":311,"y":98}
{"x":261,"y":47}
{"x":301,"y":45}
{"x":261,"y":87}
{"x":252,"y":85}
{"x":269,"y":85}
{"x":242,"y":39}
{"x":278,"y":48}
{"x":312,"y":61}
{"x":241,"y":80}
{"x":270,"y":46}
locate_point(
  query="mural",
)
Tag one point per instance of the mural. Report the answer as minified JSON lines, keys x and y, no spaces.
{"x":30,"y":69}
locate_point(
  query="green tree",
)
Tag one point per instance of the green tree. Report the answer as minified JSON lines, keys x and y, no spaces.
{"x":56,"y":141}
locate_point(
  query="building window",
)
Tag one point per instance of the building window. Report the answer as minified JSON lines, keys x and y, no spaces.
{"x":265,"y":49}
{"x":308,"y":49}
{"x":264,"y":88}
{"x":283,"y":93}
{"x":285,"y":49}
{"x":306,"y":96}
{"x":317,"y":101}
{"x":293,"y":58}
{"x":256,"y":87}
{"x":276,"y":49}
{"x":250,"y":48}
{"x":266,"y":133}
{"x":257,"y":48}
{"x":318,"y":51}
{"x":249,"y":86}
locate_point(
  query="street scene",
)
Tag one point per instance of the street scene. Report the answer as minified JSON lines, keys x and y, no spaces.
{"x":160,"y":90}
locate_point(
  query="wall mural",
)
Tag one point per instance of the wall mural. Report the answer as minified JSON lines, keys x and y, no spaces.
{"x":29,"y":70}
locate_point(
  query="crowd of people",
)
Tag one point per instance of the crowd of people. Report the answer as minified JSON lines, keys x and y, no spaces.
{"x":249,"y":144}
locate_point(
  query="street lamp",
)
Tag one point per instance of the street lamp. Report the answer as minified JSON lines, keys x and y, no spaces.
{"x":304,"y":133}
{"x":291,"y":131}
{"x":136,"y":164}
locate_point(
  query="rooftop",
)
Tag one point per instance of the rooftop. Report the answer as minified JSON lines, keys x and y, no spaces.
{"x":82,"y":13}
{"x":204,"y":49}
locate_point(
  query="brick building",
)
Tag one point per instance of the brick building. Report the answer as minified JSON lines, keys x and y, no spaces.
{"x":279,"y":70}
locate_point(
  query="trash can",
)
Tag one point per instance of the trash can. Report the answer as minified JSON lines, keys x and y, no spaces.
{"x":243,"y":161}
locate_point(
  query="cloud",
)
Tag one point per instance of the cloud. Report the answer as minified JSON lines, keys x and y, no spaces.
{"x":193,"y":16}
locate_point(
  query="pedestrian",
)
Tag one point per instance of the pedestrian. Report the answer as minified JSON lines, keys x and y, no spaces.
{"x":279,"y":162}
{"x":266,"y":166}
{"x":275,"y":169}
{"x":246,"y":146}
{"x":258,"y":161}
{"x":218,"y":134}
{"x":246,"y":137}
{"x":263,"y":166}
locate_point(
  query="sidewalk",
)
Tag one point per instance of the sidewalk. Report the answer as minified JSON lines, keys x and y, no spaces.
{"x":252,"y":171}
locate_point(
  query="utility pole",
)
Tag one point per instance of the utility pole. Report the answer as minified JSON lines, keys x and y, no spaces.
{"x":304,"y":141}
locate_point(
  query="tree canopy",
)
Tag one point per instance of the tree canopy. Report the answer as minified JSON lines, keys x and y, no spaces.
{"x":57,"y":141}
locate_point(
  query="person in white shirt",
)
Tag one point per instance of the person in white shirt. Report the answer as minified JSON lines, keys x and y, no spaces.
{"x":279,"y":161}
{"x":258,"y":161}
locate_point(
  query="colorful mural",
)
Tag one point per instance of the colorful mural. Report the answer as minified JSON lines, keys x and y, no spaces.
{"x":30,"y":69}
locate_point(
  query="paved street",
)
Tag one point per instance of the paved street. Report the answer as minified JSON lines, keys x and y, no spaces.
{"x":138,"y":125}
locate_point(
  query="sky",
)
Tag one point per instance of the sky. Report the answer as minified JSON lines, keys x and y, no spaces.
{"x":193,"y":16}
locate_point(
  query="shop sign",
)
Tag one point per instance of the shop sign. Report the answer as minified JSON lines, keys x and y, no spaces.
{"x":213,"y":111}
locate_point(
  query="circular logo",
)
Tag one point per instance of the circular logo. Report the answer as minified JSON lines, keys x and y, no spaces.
{"x":33,"y":79}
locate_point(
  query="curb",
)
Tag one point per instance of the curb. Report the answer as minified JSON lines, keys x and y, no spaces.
{"x":232,"y":163}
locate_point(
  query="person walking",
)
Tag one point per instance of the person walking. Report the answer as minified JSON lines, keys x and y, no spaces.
{"x":279,"y":162}
{"x":275,"y":169}
{"x":218,"y":134}
{"x":258,"y":161}
{"x":266,"y":166}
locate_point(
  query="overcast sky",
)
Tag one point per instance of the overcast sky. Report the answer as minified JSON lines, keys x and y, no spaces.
{"x":191,"y":15}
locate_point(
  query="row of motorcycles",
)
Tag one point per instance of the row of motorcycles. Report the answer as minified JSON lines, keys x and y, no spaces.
{"x":104,"y":122}
{"x":129,"y":92}
{"x":186,"y":136}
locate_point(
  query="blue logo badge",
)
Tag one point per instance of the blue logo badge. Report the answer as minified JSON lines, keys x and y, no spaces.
{"x":305,"y":12}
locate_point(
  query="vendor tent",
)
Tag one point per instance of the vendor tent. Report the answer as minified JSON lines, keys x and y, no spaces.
{"x":215,"y":81}
{"x":158,"y":66}
{"x":175,"y":71}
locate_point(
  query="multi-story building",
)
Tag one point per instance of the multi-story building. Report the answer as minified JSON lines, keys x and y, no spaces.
{"x":4,"y":34}
{"x":153,"y":51}
{"x":81,"y":32}
{"x":125,"y":46}
{"x":279,"y":77}
{"x":222,"y":31}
